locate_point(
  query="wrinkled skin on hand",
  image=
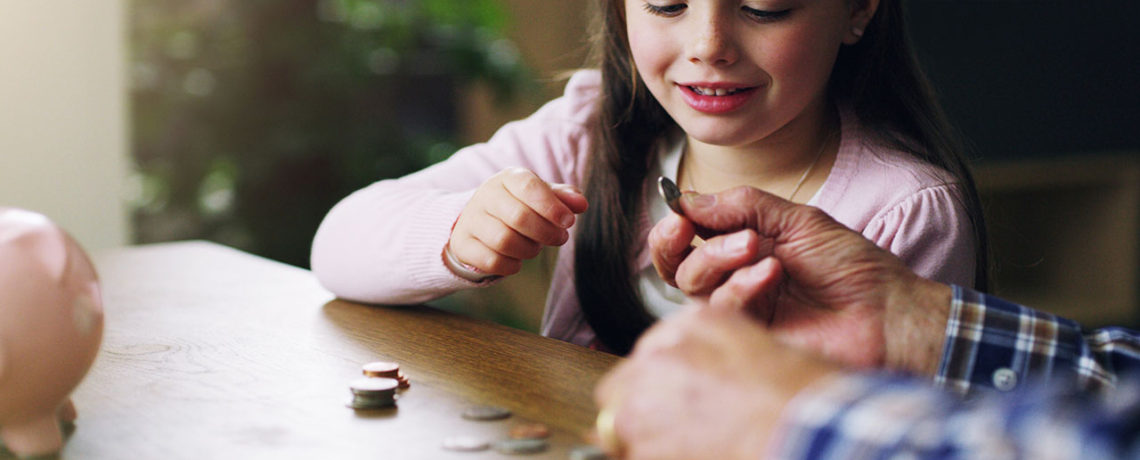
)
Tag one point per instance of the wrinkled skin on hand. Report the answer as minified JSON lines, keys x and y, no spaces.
{"x":811,"y":281}
{"x":705,"y":383}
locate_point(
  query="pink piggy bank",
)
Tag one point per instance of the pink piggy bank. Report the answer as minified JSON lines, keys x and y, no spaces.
{"x":51,"y":323}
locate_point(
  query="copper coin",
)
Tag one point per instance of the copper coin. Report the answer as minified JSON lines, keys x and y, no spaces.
{"x":530,"y":431}
{"x":381,"y":369}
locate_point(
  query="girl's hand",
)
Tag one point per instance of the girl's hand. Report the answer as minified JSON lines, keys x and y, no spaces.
{"x":510,"y":218}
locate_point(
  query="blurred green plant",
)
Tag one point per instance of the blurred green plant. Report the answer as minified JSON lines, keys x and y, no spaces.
{"x":251,"y":119}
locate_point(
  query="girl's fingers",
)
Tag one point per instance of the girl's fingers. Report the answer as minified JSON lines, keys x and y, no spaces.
{"x":571,"y":197}
{"x":506,"y":241}
{"x":520,"y":217}
{"x":510,"y":218}
{"x":473,"y":252}
{"x":538,"y":195}
{"x":707,"y":267}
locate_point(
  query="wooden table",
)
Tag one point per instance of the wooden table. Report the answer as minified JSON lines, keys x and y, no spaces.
{"x":211,"y":353}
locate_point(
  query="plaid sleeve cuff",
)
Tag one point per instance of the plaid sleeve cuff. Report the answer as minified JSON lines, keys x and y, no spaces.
{"x":885,"y":416}
{"x":995,"y":344}
{"x":863,"y":416}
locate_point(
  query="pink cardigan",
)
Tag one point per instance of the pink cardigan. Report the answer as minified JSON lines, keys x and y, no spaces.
{"x":382,"y":244}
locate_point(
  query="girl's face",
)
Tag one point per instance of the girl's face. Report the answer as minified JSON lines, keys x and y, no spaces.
{"x":732,"y":72}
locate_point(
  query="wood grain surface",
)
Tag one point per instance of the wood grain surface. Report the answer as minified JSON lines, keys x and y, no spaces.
{"x":211,"y":353}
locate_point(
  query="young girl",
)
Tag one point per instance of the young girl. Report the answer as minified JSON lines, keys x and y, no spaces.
{"x":817,"y":101}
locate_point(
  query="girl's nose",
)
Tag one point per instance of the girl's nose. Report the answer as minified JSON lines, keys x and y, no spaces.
{"x":714,"y":43}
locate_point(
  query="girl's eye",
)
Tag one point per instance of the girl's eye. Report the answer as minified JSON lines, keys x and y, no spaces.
{"x":665,"y":10}
{"x":764,"y":15}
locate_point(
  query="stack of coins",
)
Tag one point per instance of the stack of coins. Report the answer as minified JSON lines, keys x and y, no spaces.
{"x":373,"y":393}
{"x":386,"y":369}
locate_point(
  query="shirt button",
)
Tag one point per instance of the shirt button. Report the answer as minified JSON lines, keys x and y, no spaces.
{"x":1005,"y":379}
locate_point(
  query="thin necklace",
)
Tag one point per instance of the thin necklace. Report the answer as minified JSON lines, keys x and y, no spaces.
{"x":810,"y":167}
{"x":807,"y":172}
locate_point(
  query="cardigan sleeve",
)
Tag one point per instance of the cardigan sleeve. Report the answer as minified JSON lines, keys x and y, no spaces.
{"x":383,"y":243}
{"x":930,"y":231}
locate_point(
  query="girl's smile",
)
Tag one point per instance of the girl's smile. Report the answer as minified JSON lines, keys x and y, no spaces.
{"x":714,"y":98}
{"x":732,"y":73}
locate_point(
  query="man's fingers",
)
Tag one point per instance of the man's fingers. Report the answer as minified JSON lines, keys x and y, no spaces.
{"x":709,"y":265}
{"x":750,"y":289}
{"x":735,"y":209}
{"x":669,"y":243}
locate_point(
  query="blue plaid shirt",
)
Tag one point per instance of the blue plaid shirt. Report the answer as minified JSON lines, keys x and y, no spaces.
{"x":1078,"y":395}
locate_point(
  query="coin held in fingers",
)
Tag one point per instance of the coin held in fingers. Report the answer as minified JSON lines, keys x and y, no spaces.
{"x":670,"y":193}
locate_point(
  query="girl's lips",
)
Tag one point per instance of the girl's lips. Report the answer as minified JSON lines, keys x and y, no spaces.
{"x":704,"y":98}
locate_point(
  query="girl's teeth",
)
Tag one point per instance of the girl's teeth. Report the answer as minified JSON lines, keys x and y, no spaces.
{"x":713,"y":92}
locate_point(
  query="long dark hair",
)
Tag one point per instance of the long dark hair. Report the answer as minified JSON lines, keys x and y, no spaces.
{"x":879,"y":77}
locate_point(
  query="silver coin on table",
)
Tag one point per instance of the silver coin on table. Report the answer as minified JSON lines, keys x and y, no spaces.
{"x":588,"y":452}
{"x":360,"y":402}
{"x":465,"y":443}
{"x":521,"y":446}
{"x":367,"y":402}
{"x":366,"y":385}
{"x":484,"y":413}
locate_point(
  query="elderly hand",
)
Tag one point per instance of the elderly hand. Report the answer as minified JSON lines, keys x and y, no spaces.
{"x":815,"y":283}
{"x":704,"y":384}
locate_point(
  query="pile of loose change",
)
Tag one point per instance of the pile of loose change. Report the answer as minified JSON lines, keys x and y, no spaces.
{"x":377,"y":389}
{"x":522,"y":439}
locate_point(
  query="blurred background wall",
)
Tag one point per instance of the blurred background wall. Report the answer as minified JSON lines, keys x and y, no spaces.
{"x":1047,"y":94}
{"x":63,"y":124}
